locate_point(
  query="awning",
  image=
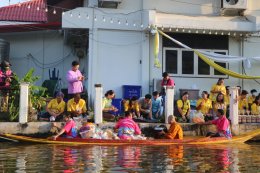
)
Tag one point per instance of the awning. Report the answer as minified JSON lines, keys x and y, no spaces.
{"x":214,"y":23}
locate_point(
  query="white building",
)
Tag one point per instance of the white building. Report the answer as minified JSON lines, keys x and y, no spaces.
{"x":119,"y":44}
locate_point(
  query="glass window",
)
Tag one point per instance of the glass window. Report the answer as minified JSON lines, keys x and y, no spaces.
{"x":187,"y":62}
{"x":203,"y":68}
{"x":171,"y":61}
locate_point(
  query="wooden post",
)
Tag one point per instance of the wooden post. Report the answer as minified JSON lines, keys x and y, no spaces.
{"x":234,"y":105}
{"x":24,"y":103}
{"x":169,"y":101}
{"x":98,"y":116}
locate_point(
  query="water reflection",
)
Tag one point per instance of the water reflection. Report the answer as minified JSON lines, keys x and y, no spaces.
{"x":174,"y":158}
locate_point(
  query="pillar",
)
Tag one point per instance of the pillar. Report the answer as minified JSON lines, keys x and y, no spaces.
{"x":169,"y":102}
{"x":234,"y":105}
{"x":98,"y":116}
{"x":24,"y":103}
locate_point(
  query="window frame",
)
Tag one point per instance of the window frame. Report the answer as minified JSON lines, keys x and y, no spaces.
{"x":195,"y":72}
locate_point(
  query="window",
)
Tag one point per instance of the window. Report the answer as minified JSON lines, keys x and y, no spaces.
{"x":185,"y":63}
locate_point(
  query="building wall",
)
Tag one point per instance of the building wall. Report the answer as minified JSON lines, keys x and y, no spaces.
{"x":42,"y":51}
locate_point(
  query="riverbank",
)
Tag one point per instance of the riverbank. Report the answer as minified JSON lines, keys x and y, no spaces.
{"x":189,"y":129}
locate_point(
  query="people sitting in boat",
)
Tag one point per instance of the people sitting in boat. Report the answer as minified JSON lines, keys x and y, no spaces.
{"x":109,"y":111}
{"x":251,"y":98}
{"x":182,"y":108}
{"x":145,"y":105}
{"x":222,"y":124}
{"x":175,"y":130}
{"x":132,"y":106}
{"x":204,"y":105}
{"x":242,"y":103}
{"x":255,"y":108}
{"x":157,"y":108}
{"x":126,"y":127}
{"x":216,"y":89}
{"x":218,"y":104}
{"x":77,"y":106}
{"x":54,"y":109}
{"x":69,"y":130}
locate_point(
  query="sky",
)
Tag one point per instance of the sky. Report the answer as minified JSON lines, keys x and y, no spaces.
{"x":6,"y":2}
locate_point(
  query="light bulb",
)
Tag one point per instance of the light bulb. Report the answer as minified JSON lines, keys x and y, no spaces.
{"x":54,"y":11}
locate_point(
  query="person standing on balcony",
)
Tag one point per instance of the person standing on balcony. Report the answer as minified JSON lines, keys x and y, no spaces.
{"x":166,"y":81}
{"x":75,"y":79}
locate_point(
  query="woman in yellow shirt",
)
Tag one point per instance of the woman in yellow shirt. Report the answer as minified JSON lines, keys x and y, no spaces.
{"x":251,"y":98}
{"x":255,"y":108}
{"x":132,"y":106}
{"x":219,"y":104}
{"x":204,"y":104}
{"x":217,"y":88}
{"x":242,"y":103}
{"x":182,"y":111}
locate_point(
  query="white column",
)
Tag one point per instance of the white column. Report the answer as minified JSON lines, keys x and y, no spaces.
{"x":169,"y":101}
{"x":234,"y":105}
{"x":24,"y":103}
{"x":98,"y":104}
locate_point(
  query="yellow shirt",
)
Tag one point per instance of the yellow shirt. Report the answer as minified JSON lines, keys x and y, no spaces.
{"x":218,"y":105}
{"x":227,"y":99}
{"x":206,"y":107}
{"x":53,"y":105}
{"x":184,"y":108}
{"x":73,"y":106}
{"x":174,"y":132}
{"x":255,"y":109}
{"x":250,"y":99}
{"x":134,"y":106}
{"x":216,"y":87}
{"x":242,"y":103}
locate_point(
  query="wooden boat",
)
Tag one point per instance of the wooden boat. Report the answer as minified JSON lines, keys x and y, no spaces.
{"x":80,"y":141}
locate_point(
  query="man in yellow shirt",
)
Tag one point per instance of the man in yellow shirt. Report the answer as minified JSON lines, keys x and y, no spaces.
{"x":77,"y":106}
{"x":217,"y":88}
{"x":182,"y":111}
{"x":54,"y":109}
{"x":242,"y":103}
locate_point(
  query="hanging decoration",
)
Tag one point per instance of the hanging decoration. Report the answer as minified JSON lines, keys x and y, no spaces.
{"x":156,"y":49}
{"x":210,"y":62}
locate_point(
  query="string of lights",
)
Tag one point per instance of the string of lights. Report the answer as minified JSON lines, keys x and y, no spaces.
{"x":119,"y":20}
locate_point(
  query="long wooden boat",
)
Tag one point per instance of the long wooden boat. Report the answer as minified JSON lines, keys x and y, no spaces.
{"x":80,"y":141}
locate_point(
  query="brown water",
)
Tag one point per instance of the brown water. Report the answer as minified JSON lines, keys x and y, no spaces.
{"x":174,"y":158}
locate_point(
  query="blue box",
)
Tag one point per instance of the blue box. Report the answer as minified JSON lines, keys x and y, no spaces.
{"x":132,"y":90}
{"x":118,"y":104}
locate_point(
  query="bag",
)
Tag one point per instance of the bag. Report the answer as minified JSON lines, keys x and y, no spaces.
{"x":74,"y":132}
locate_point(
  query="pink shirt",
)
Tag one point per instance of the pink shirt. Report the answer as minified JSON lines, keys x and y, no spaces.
{"x":223,"y":125}
{"x":74,"y":85}
{"x":127,"y":127}
{"x":169,"y":82}
{"x":68,"y":126}
{"x":4,"y":75}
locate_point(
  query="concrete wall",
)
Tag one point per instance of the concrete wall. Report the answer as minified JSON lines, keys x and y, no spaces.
{"x":42,"y":51}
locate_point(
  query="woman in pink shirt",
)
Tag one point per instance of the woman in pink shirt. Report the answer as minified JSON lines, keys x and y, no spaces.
{"x":69,"y":130}
{"x":127,"y":127}
{"x":223,"y":126}
{"x":74,"y":78}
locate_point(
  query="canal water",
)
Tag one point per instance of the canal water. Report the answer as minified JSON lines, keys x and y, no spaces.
{"x":175,"y":158}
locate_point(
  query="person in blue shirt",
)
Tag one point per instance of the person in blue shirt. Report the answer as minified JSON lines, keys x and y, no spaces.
{"x":157,"y":107}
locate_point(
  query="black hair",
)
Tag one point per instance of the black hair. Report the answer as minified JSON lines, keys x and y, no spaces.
{"x":148,"y":96}
{"x":155,"y":93}
{"x":134,"y":98}
{"x":256,"y":100}
{"x":74,"y":63}
{"x":220,"y":79}
{"x":165,"y":74}
{"x":253,"y":91}
{"x":185,"y":93}
{"x":206,"y":92}
{"x":227,"y":87}
{"x":221,"y":111}
{"x":244,"y":92}
{"x":127,"y":113}
{"x":109,"y":92}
